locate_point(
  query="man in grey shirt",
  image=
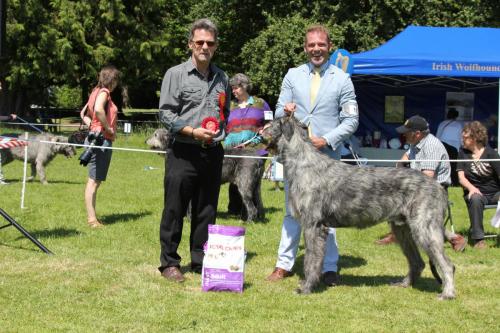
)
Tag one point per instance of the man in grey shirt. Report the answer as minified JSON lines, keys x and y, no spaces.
{"x":194,"y":104}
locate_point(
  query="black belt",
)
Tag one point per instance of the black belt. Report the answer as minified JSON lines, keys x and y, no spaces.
{"x":200,"y":144}
{"x":205,"y":145}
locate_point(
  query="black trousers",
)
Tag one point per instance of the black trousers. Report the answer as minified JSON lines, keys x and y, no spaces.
{"x":475,"y":206}
{"x":192,"y":174}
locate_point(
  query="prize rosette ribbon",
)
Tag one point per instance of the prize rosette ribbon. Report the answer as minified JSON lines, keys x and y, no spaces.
{"x":210,"y":123}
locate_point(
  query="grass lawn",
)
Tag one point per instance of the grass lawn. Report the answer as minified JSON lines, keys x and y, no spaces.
{"x":106,"y":280}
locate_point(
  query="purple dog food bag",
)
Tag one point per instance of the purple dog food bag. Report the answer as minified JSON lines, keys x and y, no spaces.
{"x":224,"y":261}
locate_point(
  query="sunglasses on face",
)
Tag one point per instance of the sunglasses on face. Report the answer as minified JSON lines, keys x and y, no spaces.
{"x":200,"y":43}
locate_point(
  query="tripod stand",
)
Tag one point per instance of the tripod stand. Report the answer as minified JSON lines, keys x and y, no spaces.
{"x":13,"y":223}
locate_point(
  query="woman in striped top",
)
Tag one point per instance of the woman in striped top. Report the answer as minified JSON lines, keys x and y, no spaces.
{"x":247,"y":117}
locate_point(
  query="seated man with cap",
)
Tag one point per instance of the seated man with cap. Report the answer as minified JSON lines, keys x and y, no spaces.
{"x":428,"y":155}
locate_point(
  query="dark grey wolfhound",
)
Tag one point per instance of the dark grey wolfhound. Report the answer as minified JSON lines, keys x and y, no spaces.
{"x":246,"y":173}
{"x":327,"y":193}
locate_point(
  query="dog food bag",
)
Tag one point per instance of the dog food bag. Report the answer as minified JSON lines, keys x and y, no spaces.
{"x":224,"y":261}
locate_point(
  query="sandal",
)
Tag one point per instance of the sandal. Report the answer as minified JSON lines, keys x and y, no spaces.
{"x":95,"y":224}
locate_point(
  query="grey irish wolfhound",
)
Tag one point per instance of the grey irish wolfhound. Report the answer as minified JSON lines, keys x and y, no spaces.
{"x":39,"y":154}
{"x":246,"y":173}
{"x":327,"y":193}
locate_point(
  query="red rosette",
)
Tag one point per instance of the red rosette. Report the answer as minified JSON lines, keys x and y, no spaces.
{"x":210,"y":123}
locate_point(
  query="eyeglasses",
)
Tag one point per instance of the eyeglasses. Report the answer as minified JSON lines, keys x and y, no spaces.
{"x":210,"y":43}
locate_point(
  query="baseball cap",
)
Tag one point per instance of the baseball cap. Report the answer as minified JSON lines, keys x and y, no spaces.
{"x":415,"y":123}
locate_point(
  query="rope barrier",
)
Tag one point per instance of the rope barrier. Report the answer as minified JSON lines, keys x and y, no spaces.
{"x":40,"y":124}
{"x":73,"y":125}
{"x":242,"y":156}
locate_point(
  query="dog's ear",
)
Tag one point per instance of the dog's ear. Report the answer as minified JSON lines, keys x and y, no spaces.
{"x":288,"y":127}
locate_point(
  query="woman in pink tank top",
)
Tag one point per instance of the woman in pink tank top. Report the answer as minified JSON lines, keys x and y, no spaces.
{"x":100,"y":115}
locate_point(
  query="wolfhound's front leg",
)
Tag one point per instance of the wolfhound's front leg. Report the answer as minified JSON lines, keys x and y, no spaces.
{"x":33,"y":172}
{"x":40,"y":168}
{"x":249,"y":205}
{"x":315,"y":241}
{"x":257,"y":200}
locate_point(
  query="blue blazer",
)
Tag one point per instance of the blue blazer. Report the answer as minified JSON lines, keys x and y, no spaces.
{"x":326,"y":117}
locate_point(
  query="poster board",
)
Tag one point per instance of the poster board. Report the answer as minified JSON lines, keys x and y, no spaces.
{"x":394,"y":109}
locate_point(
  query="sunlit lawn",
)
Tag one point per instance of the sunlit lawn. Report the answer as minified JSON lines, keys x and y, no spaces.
{"x":107,"y":279}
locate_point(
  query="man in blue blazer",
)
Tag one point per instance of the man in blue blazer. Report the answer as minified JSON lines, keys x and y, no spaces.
{"x":322,"y":97}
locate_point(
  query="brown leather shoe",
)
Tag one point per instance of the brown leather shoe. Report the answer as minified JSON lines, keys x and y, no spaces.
{"x":458,"y":242}
{"x":480,"y":244}
{"x":278,"y":274}
{"x":330,"y":279}
{"x":173,"y":274}
{"x":388,"y":239}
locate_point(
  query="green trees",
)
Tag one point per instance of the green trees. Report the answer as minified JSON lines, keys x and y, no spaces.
{"x":63,"y":42}
{"x":53,"y":43}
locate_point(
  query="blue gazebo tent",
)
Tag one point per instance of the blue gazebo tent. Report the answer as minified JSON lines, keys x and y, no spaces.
{"x":422,"y":64}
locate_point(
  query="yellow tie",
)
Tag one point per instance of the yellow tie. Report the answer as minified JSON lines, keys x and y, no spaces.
{"x":315,"y":82}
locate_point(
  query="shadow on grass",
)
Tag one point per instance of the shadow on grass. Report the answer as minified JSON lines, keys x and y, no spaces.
{"x":423,"y":284}
{"x":429,"y":285}
{"x":63,"y":182}
{"x":32,"y":249}
{"x":276,"y":188}
{"x":37,"y":181}
{"x":249,"y":256}
{"x":53,"y":233}
{"x":271,"y":210}
{"x":226,"y":215}
{"x":123,"y":217}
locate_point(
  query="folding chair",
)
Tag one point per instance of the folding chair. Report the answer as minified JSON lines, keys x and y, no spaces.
{"x":497,"y":236}
{"x":361,"y":162}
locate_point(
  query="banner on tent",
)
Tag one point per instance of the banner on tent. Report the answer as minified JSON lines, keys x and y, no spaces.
{"x":343,"y":60}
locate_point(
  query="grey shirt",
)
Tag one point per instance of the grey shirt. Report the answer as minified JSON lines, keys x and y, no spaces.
{"x":187,"y":98}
